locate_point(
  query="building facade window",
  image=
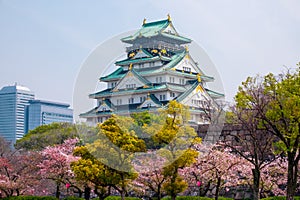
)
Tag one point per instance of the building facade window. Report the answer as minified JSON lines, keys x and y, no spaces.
{"x":151,"y":64}
{"x":181,"y":81}
{"x":171,"y":79}
{"x":162,"y":97}
{"x":130,"y":86}
{"x":158,"y":79}
{"x":199,"y":102}
{"x":119,"y":101}
{"x":131,"y":100}
{"x":172,"y":94}
{"x":142,"y":99}
{"x":187,"y":69}
{"x":141,"y":65}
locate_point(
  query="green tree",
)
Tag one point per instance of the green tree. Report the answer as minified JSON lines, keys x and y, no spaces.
{"x":178,"y":137}
{"x":115,"y":148}
{"x":142,"y":122}
{"x":92,"y":173}
{"x":47,"y":135}
{"x":277,"y":100}
{"x":251,"y":141}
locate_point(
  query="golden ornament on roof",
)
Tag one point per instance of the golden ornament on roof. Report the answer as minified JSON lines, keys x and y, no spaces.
{"x":144,"y":21}
{"x":199,"y":88}
{"x":186,"y":48}
{"x":199,"y":77}
{"x":169,"y":17}
{"x":131,"y":54}
{"x":154,"y":51}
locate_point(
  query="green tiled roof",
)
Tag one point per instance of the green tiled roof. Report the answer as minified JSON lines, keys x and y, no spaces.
{"x":139,"y":60}
{"x":193,"y":75}
{"x":129,"y":108}
{"x":109,"y":104}
{"x":110,"y":92}
{"x":154,"y":99}
{"x":124,"y":109}
{"x":119,"y":73}
{"x":187,"y":92}
{"x":153,"y":29}
{"x":145,"y":81}
{"x":176,"y":87}
{"x":175,"y":60}
{"x":146,"y":52}
{"x":177,"y":37}
{"x":148,"y":30}
{"x":214,"y":94}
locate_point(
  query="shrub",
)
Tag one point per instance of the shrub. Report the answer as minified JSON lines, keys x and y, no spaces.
{"x":195,"y":198}
{"x":30,"y":198}
{"x":118,"y":198}
{"x":280,"y":198}
{"x":73,"y":198}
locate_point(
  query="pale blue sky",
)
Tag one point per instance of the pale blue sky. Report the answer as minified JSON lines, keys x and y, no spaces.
{"x":43,"y":43}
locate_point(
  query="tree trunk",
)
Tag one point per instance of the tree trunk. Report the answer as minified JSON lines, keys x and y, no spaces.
{"x":57,"y":192}
{"x":218,"y":188}
{"x":292,"y":176}
{"x":123,"y":194}
{"x":103,"y":193}
{"x":256,"y":181}
{"x":87,"y":193}
{"x":173,"y":180}
{"x":18,"y":192}
{"x":158,"y":193}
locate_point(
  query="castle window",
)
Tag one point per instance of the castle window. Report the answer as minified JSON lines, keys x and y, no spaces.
{"x":130,"y":85}
{"x":142,"y":99}
{"x":158,"y":79}
{"x":119,"y":101}
{"x":172,"y":94}
{"x":187,"y":69}
{"x":162,"y":97}
{"x":131,"y":100}
{"x":171,"y":79}
{"x":151,"y":64}
{"x":181,"y":81}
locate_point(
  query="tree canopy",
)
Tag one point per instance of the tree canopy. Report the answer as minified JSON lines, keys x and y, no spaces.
{"x":277,"y":102}
{"x":47,"y":135}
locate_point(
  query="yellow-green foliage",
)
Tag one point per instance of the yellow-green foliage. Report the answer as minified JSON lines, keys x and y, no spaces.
{"x":178,"y":137}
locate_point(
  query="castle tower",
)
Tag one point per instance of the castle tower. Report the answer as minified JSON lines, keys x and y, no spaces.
{"x":158,"y":68}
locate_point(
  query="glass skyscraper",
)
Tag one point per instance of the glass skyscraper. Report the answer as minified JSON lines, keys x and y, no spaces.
{"x":40,"y":112}
{"x":13,"y":102}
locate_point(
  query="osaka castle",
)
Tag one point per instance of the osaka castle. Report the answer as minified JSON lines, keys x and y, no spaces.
{"x":158,"y":68}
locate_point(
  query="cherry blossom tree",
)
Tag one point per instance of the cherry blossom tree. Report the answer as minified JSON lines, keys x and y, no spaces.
{"x":150,"y":180}
{"x":56,"y":162}
{"x":274,"y":178}
{"x":216,"y":167}
{"x":18,"y":171}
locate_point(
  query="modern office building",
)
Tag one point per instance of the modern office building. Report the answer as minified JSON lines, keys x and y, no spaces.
{"x":158,"y":68}
{"x":40,"y":112}
{"x":13,"y":102}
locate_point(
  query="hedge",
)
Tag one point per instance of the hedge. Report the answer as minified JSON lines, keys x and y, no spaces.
{"x":133,"y":198}
{"x":39,"y":198}
{"x":195,"y":198}
{"x":118,"y":198}
{"x":280,"y":198}
{"x":30,"y":198}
